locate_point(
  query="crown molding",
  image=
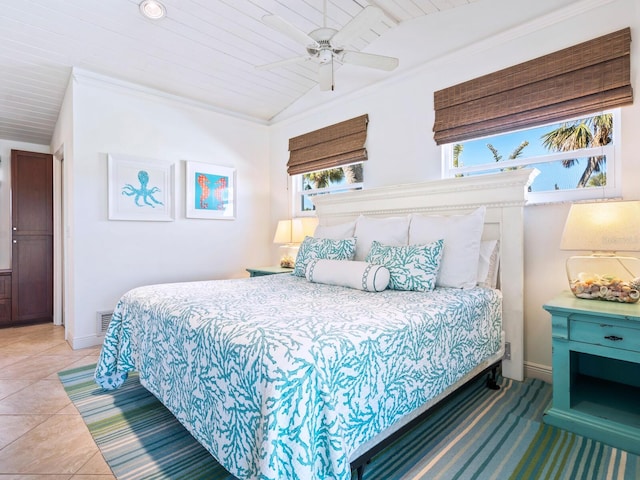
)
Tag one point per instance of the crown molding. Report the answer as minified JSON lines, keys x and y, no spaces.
{"x":87,"y":77}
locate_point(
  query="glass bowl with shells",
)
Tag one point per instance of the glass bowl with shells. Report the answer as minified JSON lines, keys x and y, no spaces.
{"x":611,"y":278}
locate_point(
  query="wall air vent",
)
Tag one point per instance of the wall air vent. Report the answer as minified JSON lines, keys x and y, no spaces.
{"x":102,"y":322}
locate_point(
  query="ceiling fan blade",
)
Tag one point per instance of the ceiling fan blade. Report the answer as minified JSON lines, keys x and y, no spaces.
{"x":358,"y":25}
{"x":291,"y":31}
{"x":369,"y":60}
{"x":283,"y":63}
{"x":325,"y":76}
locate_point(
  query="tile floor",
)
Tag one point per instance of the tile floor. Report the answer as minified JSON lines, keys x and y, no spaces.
{"x":42,"y":436}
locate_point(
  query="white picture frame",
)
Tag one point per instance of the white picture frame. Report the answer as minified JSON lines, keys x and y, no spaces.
{"x":140,"y":189}
{"x":210,"y":191}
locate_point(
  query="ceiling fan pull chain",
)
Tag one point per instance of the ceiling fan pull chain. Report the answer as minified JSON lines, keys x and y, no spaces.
{"x":333,"y":84}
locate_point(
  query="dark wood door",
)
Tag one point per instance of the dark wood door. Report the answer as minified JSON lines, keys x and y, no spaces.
{"x":5,"y":298}
{"x":32,"y":253}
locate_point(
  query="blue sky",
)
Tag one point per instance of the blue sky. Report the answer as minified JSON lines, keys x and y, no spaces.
{"x":476,"y":152}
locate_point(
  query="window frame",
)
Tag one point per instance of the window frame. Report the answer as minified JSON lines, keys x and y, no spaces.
{"x":613,"y":188}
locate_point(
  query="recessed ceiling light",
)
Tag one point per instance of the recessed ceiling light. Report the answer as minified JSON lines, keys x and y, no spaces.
{"x":152,"y":9}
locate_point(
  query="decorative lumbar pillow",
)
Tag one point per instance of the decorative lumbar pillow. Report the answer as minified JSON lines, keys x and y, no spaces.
{"x":335,"y":232}
{"x":389,"y":231}
{"x":462,"y":235}
{"x":411,"y":267}
{"x":323,"y":248}
{"x":489,"y":263}
{"x":361,"y":275}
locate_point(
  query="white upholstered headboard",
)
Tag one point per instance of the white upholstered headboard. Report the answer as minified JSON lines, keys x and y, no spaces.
{"x":504,"y":195}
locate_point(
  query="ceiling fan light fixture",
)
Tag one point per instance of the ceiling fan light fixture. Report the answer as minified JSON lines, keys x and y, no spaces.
{"x":152,"y":9}
{"x":325,"y":44}
{"x":325,"y":56}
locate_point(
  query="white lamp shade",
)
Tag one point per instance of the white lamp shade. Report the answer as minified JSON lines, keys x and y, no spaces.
{"x":302,"y":227}
{"x":283,"y":232}
{"x":294,"y":231}
{"x":603,"y":227}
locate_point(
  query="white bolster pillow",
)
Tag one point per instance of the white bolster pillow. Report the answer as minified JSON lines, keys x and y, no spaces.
{"x":347,"y":273}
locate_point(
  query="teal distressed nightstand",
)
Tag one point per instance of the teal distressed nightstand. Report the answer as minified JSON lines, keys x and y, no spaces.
{"x":596,"y":370}
{"x":262,"y":271}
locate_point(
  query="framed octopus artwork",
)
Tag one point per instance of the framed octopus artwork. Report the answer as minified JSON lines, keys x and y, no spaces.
{"x":140,"y":189}
{"x":210,"y":191}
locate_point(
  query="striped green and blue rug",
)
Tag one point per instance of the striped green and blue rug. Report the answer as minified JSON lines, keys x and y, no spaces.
{"x":478,"y":434}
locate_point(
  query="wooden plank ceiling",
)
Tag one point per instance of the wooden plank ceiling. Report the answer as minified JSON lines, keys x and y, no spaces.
{"x":203,"y":50}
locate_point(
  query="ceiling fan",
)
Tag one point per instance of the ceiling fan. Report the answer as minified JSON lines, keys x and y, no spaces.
{"x":324,"y":45}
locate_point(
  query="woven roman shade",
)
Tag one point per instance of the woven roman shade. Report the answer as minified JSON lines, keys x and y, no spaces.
{"x":583,"y":79}
{"x":329,"y":147}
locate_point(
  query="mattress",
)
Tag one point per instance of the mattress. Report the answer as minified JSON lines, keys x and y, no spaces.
{"x":282,"y":378}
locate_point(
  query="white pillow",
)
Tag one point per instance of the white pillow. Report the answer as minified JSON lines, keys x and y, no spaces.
{"x":345,"y":273}
{"x":462,"y":235}
{"x":389,"y":231}
{"x":488,"y":263}
{"x":335,"y":232}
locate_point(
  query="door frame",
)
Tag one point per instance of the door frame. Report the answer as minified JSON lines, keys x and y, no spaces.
{"x":58,"y":238}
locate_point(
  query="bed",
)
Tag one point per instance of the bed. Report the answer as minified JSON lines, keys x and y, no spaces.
{"x":279,"y":377}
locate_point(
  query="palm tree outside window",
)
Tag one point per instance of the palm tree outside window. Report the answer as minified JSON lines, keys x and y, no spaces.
{"x":322,"y":182}
{"x":576,"y":158}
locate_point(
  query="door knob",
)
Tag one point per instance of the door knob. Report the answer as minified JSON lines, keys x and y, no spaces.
{"x":15,"y":228}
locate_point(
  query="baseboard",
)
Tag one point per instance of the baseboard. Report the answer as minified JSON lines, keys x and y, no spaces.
{"x":85,"y":342}
{"x":535,"y":370}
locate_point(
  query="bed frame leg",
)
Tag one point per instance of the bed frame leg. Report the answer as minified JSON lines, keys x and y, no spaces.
{"x":492,"y":378}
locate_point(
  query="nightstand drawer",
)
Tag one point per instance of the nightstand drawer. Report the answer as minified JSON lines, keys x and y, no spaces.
{"x":606,"y":335}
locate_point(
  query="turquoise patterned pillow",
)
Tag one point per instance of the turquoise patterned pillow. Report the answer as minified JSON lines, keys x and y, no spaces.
{"x":412,"y":267}
{"x":323,"y":248}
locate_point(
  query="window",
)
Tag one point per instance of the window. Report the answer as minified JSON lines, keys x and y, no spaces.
{"x":332,"y":180}
{"x":590,"y":77}
{"x":328,"y":160}
{"x":542,"y":113}
{"x":576,"y":158}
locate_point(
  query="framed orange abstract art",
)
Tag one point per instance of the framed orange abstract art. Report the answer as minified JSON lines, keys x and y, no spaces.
{"x":210,"y":191}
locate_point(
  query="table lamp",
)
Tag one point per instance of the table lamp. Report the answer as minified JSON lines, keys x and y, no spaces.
{"x":291,"y":233}
{"x":302,"y":227}
{"x":604,"y":228}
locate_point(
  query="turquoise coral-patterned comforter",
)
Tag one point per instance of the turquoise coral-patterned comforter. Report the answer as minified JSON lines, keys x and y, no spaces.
{"x":280,"y":378}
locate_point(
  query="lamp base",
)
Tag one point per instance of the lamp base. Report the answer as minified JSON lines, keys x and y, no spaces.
{"x":604,"y":277}
{"x":287,"y":262}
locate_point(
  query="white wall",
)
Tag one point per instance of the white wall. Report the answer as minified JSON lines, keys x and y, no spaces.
{"x":5,"y":194}
{"x":400,"y":139}
{"x":107,"y":258}
{"x":63,"y":282}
